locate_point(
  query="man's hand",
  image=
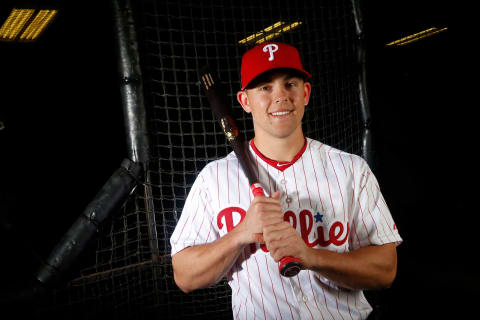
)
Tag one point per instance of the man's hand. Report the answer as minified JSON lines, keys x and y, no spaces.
{"x":283,"y":240}
{"x":371,"y":267}
{"x":263,"y":212}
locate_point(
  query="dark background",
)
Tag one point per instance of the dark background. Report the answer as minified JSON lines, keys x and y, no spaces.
{"x":63,"y":138}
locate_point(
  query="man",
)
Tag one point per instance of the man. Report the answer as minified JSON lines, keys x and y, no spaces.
{"x":323,"y":206}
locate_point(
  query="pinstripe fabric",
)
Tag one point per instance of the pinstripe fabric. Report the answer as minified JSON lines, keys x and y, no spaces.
{"x":331,"y":198}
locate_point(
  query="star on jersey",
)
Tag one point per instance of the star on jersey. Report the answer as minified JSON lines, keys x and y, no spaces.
{"x":318,"y":217}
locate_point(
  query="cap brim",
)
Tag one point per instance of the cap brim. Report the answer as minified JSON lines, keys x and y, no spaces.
{"x":307,"y":75}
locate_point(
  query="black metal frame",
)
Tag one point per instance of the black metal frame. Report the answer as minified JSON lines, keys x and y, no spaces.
{"x":135,"y":118}
{"x":367,"y":145}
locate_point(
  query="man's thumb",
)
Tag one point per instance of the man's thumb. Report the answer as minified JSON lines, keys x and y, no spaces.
{"x":276,"y":194}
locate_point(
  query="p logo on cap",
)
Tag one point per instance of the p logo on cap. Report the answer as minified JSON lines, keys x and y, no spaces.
{"x":271,"y":48}
{"x":268,"y":56}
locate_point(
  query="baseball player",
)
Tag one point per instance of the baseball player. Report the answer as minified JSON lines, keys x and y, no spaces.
{"x":322,"y":206}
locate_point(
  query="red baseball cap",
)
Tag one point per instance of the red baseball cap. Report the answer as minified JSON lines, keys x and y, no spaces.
{"x":268,"y":56}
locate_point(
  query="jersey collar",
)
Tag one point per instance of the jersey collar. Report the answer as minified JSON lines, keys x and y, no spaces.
{"x":280,"y":165}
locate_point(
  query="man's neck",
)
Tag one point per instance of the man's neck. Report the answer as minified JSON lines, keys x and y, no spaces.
{"x":280,"y":149}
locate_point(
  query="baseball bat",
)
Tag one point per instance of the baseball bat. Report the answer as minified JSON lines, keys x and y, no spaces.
{"x":289,"y":266}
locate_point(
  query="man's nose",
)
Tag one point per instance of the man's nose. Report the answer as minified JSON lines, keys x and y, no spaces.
{"x":280,"y":94}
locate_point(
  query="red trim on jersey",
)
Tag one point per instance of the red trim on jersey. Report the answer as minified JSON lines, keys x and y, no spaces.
{"x":250,"y":289}
{"x":273,"y":289}
{"x":228,"y":185}
{"x":303,"y":295}
{"x":261,"y":287}
{"x":348,"y":305}
{"x":306,"y":184}
{"x":338,"y":182}
{"x":325,"y":300}
{"x":354,"y":227}
{"x":336,"y":300}
{"x":315,"y":173}
{"x":313,"y":294}
{"x":296,"y":187}
{"x":280,"y":165}
{"x":286,"y":192}
{"x":329,"y":191}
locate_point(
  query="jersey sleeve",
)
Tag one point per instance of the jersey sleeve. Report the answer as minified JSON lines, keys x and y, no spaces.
{"x":196,"y":224}
{"x":372,"y":222}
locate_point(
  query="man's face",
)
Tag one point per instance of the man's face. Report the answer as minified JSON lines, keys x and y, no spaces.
{"x":277,"y":104}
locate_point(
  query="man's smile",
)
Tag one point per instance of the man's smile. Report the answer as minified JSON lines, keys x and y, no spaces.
{"x":282,"y":114}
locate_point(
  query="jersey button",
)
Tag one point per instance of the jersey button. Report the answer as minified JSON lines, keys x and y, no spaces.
{"x":288,"y":200}
{"x":283,"y":181}
{"x":305,"y":298}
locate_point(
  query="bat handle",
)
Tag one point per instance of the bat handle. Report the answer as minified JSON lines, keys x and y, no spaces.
{"x":257,"y":190}
{"x":289,"y":266}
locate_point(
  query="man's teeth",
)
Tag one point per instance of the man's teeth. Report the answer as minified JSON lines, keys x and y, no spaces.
{"x":282,"y":113}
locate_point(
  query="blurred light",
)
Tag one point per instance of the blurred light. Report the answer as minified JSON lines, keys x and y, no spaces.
{"x":39,"y":23}
{"x":415,"y":37}
{"x":15,"y":23}
{"x":270,"y":32}
{"x":23,"y":25}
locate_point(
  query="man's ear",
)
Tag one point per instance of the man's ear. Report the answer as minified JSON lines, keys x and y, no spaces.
{"x":243,"y":100}
{"x":307,"y":89}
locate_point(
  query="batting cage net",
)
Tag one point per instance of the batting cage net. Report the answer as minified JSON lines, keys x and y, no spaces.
{"x":131,"y":275}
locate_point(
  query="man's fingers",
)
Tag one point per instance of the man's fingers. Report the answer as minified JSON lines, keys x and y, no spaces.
{"x":274,"y":198}
{"x":278,"y":227}
{"x":276,"y":195}
{"x":278,"y":231}
{"x":264,"y":211}
{"x":281,"y":240}
{"x":258,"y":237}
{"x":264,"y":207}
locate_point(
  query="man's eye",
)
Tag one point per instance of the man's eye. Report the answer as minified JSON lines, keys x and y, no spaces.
{"x":264,"y":88}
{"x":291,"y":84}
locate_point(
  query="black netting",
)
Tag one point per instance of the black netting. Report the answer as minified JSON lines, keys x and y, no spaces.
{"x":177,"y":38}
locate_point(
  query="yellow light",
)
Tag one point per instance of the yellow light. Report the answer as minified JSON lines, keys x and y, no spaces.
{"x":270,"y":32}
{"x":415,"y":37}
{"x":15,"y":23}
{"x":39,"y":23}
{"x":23,"y":22}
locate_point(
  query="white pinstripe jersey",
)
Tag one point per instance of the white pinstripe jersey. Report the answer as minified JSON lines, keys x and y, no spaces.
{"x":332,"y":199}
